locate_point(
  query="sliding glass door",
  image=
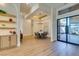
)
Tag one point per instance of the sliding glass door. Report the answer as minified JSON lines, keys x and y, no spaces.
{"x":73,"y":36}
{"x":68,"y":29}
{"x":62,"y":29}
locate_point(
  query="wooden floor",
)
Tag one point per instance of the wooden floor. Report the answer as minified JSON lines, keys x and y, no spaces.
{"x":38,"y":47}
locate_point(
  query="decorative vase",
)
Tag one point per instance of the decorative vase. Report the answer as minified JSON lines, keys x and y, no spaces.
{"x":10,"y":20}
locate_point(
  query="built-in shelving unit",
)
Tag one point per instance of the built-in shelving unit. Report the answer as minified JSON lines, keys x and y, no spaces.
{"x":7,"y":15}
{"x":7,"y":31}
{"x":7,"y":28}
{"x":7,"y":21}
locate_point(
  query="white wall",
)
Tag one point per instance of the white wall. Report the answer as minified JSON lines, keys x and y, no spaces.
{"x":44,"y":26}
{"x":47,"y":9}
{"x":76,"y":12}
{"x":51,"y":10}
{"x":52,"y":19}
{"x":36,"y":27}
{"x":28,"y":27}
{"x":54,"y":16}
{"x":25,"y":26}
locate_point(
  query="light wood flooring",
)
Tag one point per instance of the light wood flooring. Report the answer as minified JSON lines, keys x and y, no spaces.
{"x":39,"y":47}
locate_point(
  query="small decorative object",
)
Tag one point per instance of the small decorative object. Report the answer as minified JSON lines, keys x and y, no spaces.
{"x":3,"y":25}
{"x":10,"y":31}
{"x":10,"y":19}
{"x":14,"y":32}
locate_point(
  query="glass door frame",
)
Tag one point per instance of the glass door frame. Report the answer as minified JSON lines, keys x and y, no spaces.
{"x":67,"y":30}
{"x":58,"y":30}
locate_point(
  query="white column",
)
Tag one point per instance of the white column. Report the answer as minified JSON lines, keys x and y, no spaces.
{"x":17,"y":6}
{"x":32,"y":26}
{"x":51,"y":25}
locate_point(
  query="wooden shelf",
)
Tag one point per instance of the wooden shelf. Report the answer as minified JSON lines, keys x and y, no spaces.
{"x":8,"y":21}
{"x":8,"y":15}
{"x":7,"y":28}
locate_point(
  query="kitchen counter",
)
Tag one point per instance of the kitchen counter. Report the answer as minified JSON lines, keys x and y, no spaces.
{"x":6,"y":35}
{"x":7,"y":41}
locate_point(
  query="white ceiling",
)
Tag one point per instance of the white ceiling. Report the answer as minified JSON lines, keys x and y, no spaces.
{"x":44,"y":7}
{"x":37,"y":12}
{"x":54,"y":5}
{"x":25,"y":8}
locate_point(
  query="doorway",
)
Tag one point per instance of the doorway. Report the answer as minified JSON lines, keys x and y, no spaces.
{"x":68,"y":29}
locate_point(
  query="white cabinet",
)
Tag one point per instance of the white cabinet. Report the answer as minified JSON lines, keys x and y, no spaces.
{"x":7,"y":41}
{"x":4,"y":41}
{"x":13,"y":40}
